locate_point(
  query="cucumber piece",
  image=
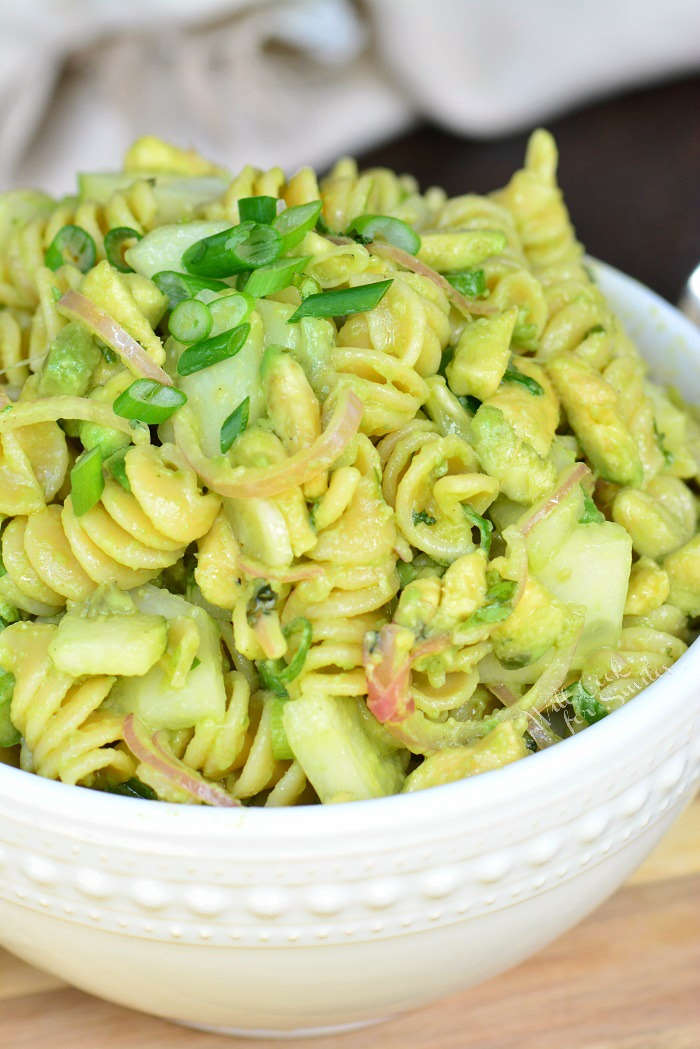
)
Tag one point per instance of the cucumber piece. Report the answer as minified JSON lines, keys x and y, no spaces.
{"x":156,"y":702}
{"x":176,"y":195}
{"x":163,"y":247}
{"x":328,"y":739}
{"x":109,"y":644}
{"x":591,"y":568}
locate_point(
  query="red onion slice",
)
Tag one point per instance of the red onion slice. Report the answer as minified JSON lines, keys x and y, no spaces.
{"x":388,"y":671}
{"x":150,"y":751}
{"x":574,"y":477}
{"x":466,"y":306}
{"x":261,"y":482}
{"x":129,"y":351}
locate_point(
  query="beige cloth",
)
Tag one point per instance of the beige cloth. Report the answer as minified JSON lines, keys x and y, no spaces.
{"x":294,"y":81}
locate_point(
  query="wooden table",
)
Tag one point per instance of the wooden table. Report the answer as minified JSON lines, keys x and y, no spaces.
{"x":626,"y":978}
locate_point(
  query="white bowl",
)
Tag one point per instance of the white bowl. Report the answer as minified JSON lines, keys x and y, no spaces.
{"x":264,"y":921}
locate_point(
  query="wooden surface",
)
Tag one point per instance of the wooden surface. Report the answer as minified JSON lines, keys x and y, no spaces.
{"x":626,"y":978}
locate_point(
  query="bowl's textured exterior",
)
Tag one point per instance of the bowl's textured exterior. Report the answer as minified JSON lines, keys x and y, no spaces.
{"x":265,"y":921}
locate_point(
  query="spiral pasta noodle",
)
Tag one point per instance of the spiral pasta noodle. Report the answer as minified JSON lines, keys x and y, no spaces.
{"x":66,"y":734}
{"x":53,"y":555}
{"x":322,"y":490}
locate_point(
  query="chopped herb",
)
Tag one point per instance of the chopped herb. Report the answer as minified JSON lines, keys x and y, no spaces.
{"x":470,"y":404}
{"x":529,"y":742}
{"x":586,"y":707}
{"x":133,"y":788}
{"x":597,"y":329}
{"x":148,"y":401}
{"x":257,"y":209}
{"x":367,"y":228}
{"x":497,"y":605}
{"x":341,"y":301}
{"x":471,"y":283}
{"x":530,"y":384}
{"x":234,"y":425}
{"x":591,"y":514}
{"x":86,"y":481}
{"x":73,"y":245}
{"x":660,"y":438}
{"x":196,"y":662}
{"x":117,"y":241}
{"x":483,"y":524}
{"x":423,"y":517}
{"x":446,"y":359}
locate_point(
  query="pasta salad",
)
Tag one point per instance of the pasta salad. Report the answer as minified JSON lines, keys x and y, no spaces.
{"x":322,"y":490}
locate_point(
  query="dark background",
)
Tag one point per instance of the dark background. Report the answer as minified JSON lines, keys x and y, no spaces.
{"x":629,"y":168}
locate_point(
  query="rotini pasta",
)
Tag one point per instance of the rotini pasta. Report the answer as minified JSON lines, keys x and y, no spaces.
{"x":322,"y":490}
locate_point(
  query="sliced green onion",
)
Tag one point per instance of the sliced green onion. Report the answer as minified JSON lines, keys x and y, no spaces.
{"x":530,"y":384}
{"x":294,"y":223}
{"x":212,"y":351}
{"x":591,"y":514}
{"x":234,"y":425}
{"x":148,"y":401}
{"x":72,"y":244}
{"x":387,"y":228}
{"x":116,"y":243}
{"x":116,"y":467}
{"x":278,"y":275}
{"x":242,"y":247}
{"x":423,"y":517}
{"x":483,"y":524}
{"x":179,"y":286}
{"x":230,"y":310}
{"x":257,"y":209}
{"x":471,"y":283}
{"x":86,"y":481}
{"x":9,"y":736}
{"x":275,"y":673}
{"x":341,"y":301}
{"x":281,"y":749}
{"x":190,"y":321}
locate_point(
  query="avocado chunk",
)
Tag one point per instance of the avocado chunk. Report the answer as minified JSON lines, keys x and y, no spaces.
{"x":500,"y":747}
{"x":328,"y":739}
{"x":524,"y":476}
{"x":71,"y":361}
{"x":591,"y":405}
{"x":109,"y":643}
{"x":481,"y":355}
